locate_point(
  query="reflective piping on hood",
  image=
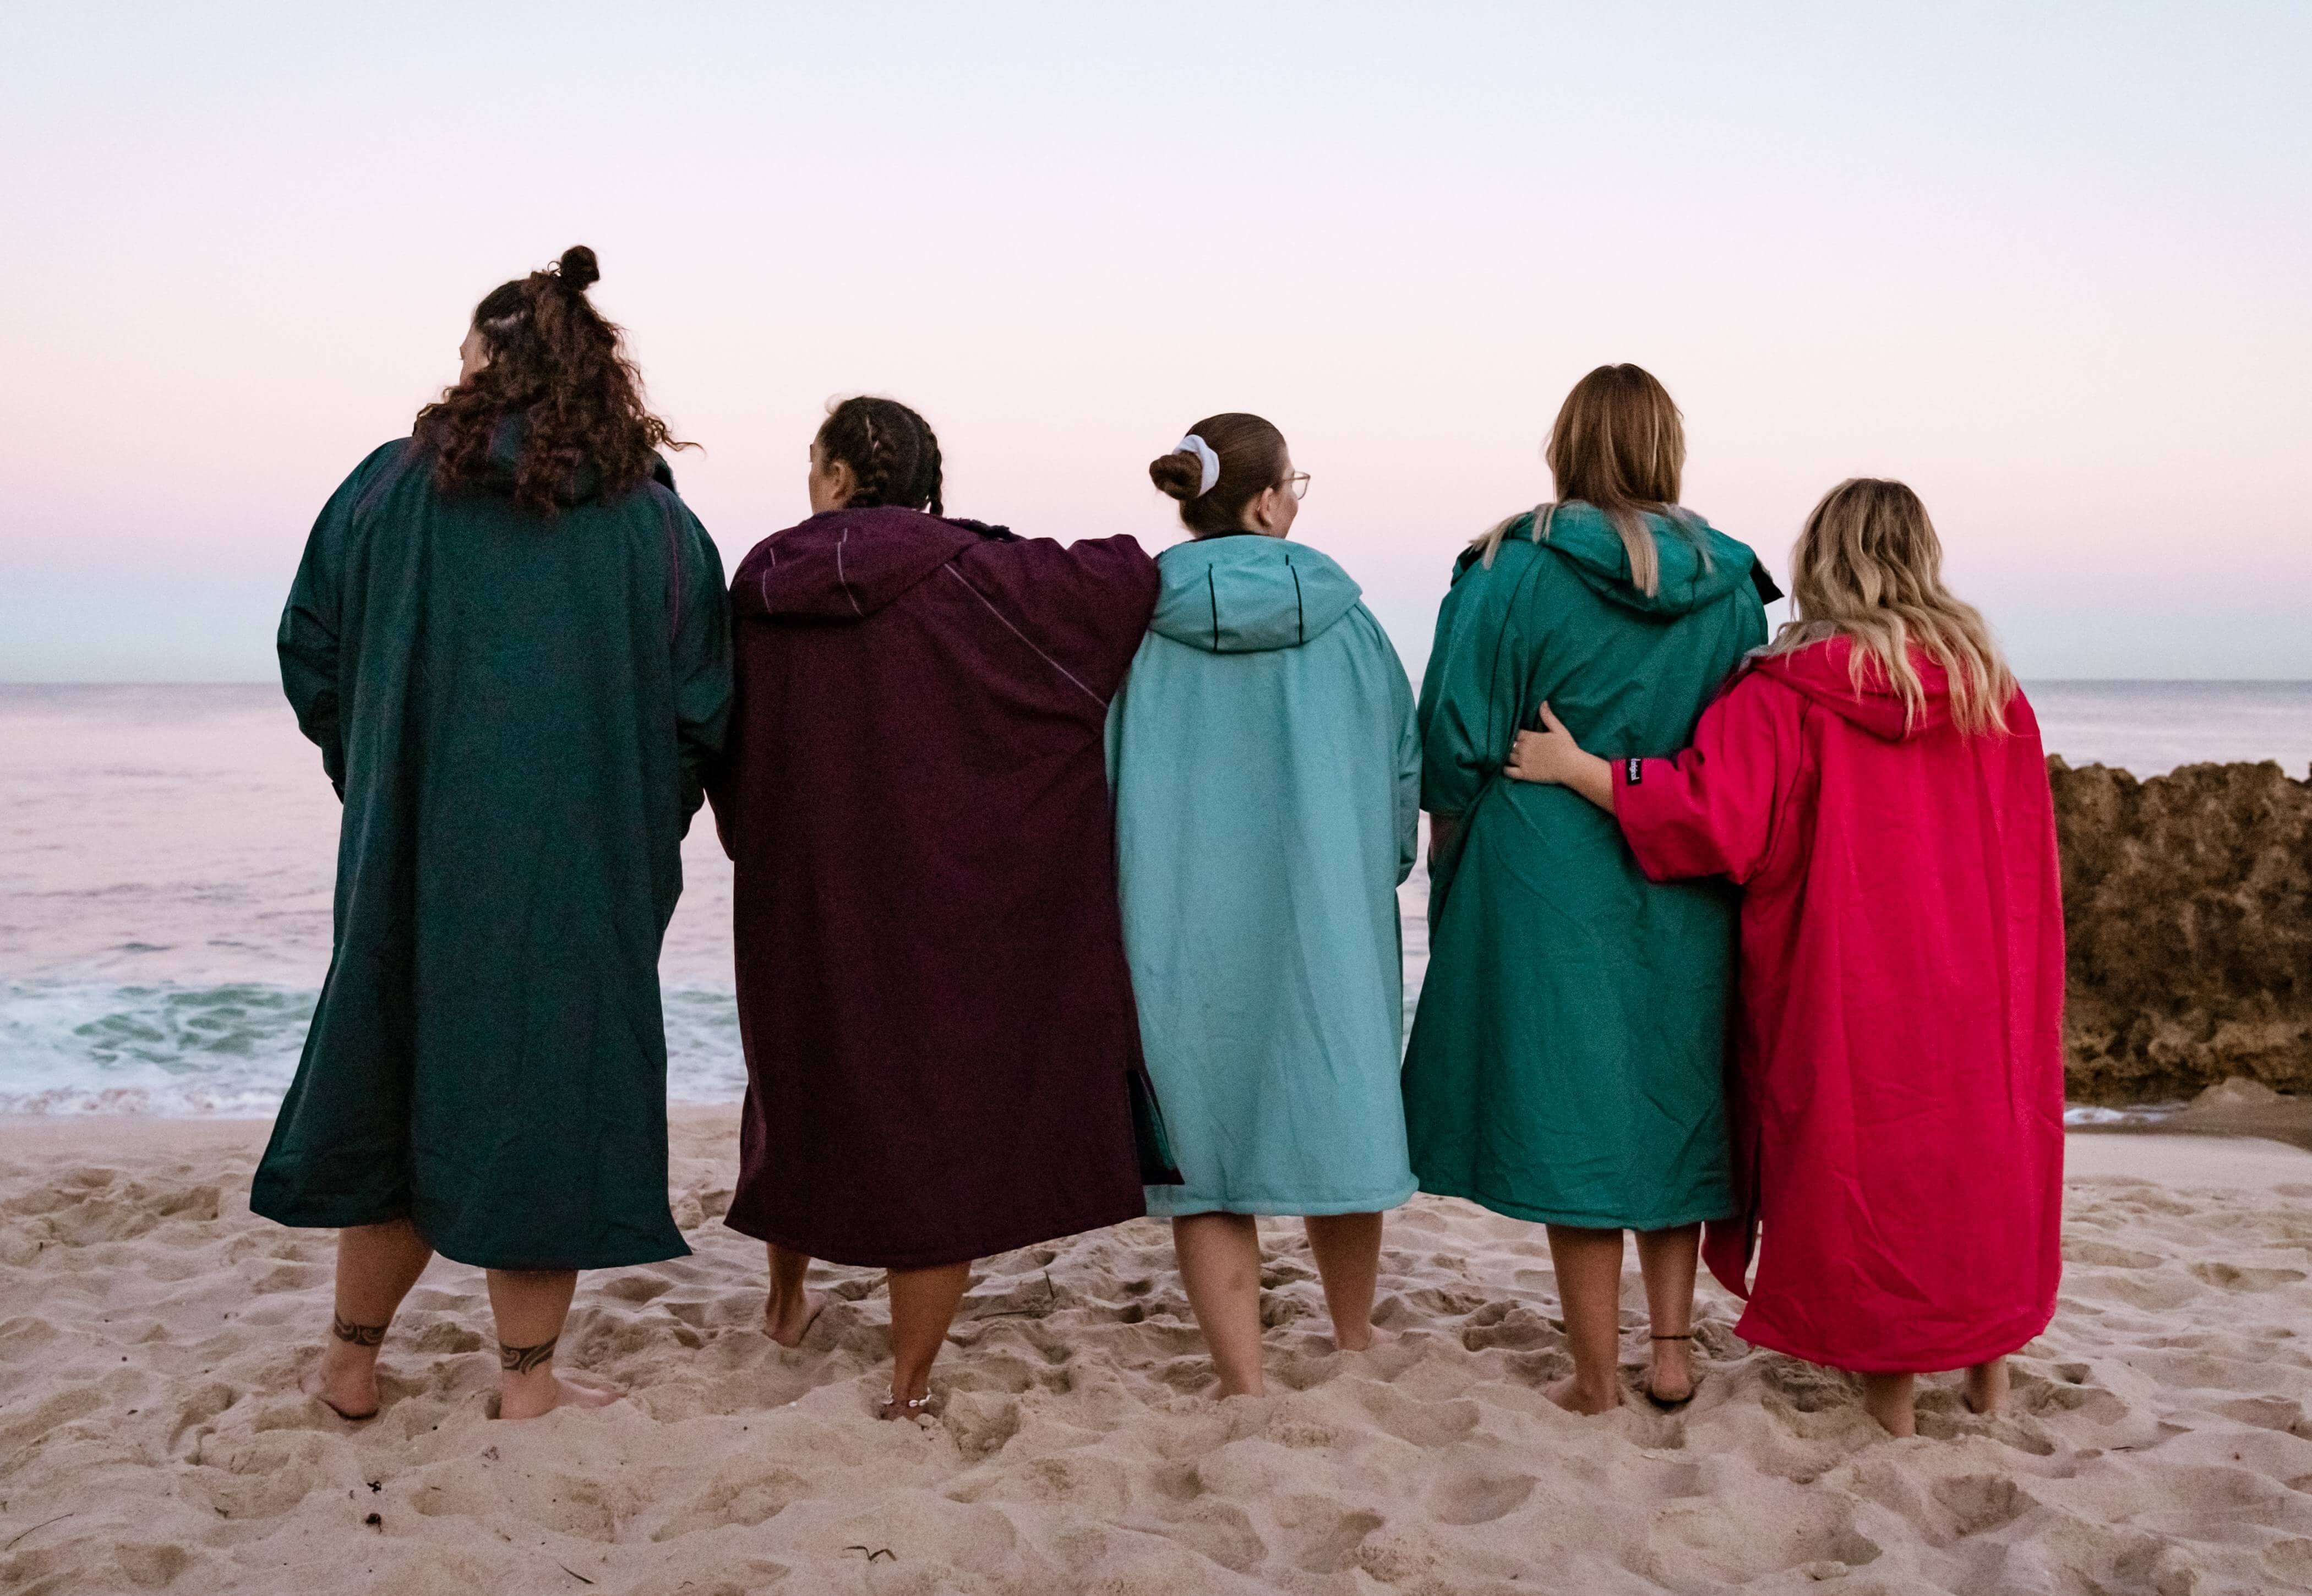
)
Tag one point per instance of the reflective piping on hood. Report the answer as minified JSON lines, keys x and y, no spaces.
{"x":1214,"y":589}
{"x":1300,"y":607}
{"x":1022,"y":636}
{"x":844,"y":580}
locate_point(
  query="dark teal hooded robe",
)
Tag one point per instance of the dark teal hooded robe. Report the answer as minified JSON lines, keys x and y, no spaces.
{"x":1567,"y":1057}
{"x":518,"y":709}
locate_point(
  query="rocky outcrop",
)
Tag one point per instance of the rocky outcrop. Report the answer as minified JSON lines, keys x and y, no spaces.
{"x":2187,"y":906}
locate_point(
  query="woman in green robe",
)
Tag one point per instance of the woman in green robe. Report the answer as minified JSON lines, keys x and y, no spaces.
{"x":1567,"y":1055}
{"x":510,"y":640}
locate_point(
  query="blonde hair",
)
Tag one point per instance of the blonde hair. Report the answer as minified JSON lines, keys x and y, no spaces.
{"x":1869,"y":568}
{"x":1619,"y":444}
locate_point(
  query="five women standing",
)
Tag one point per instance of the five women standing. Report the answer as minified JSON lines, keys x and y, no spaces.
{"x":510,"y":641}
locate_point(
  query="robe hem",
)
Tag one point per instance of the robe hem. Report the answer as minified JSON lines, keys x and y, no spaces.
{"x":2004,"y":1344}
{"x":1510,"y":1209}
{"x":457,"y":1252}
{"x":938,"y":1258}
{"x":1279,"y":1206}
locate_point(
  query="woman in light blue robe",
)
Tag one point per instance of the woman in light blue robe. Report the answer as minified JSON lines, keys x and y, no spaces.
{"x":1267,"y":764}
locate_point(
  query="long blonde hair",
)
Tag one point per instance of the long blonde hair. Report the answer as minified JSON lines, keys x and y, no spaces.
{"x":1869,"y":568}
{"x":1619,"y":444}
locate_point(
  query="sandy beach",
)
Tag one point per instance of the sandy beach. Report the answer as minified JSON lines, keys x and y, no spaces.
{"x":152,"y":1435}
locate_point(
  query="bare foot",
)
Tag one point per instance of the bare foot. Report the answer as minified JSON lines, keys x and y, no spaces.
{"x":542,"y":1391}
{"x":1362,"y":1338}
{"x":344,"y":1381}
{"x":1567,"y":1394}
{"x":788,"y":1322}
{"x":1669,"y":1376}
{"x":1887,"y":1398}
{"x":917,"y":1408}
{"x":1987,"y":1387}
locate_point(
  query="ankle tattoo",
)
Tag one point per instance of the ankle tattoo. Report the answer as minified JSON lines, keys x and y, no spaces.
{"x":521,"y":1360}
{"x":358,"y":1335}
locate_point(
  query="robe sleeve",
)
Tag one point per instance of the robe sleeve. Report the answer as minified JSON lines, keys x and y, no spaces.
{"x":1468,"y":715}
{"x":1084,"y":607}
{"x":1713,"y":808}
{"x":307,"y":641}
{"x":1408,"y":763}
{"x":701,"y":652}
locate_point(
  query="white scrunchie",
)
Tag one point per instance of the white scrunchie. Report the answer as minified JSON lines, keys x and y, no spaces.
{"x":1205,"y":458}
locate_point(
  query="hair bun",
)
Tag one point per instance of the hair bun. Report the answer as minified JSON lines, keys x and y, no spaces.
{"x":578,"y":268}
{"x":1177,"y":475}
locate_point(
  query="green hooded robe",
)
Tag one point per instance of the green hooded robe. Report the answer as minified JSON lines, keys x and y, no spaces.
{"x":518,"y":709}
{"x":1567,"y":1056}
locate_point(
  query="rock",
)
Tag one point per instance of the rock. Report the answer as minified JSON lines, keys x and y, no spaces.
{"x":2235,"y":1093}
{"x":2187,"y":908}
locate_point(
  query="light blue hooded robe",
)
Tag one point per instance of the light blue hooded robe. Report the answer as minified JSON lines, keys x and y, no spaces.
{"x":1265,"y":761}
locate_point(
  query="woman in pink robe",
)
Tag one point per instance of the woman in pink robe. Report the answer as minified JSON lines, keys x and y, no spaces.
{"x":1875,"y":781}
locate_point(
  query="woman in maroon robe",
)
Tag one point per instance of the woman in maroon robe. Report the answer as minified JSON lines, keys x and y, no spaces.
{"x":941,"y":1047}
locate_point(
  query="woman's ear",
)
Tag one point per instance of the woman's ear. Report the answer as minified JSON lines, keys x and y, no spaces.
{"x":1260,"y":515}
{"x":831,"y":485}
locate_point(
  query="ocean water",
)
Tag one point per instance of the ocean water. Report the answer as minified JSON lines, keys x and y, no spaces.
{"x":166,"y":855}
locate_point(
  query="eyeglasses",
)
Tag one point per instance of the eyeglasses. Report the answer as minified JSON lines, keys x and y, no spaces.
{"x":1297,"y":484}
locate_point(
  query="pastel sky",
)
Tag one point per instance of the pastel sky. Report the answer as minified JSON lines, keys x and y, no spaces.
{"x":2045,"y":262}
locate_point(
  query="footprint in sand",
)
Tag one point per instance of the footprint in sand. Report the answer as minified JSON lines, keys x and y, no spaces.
{"x":741,"y":1500}
{"x":1479,"y":1499}
{"x":2105,"y":1255}
{"x":2232,"y":1278}
{"x":1222,"y":1531}
{"x":1323,"y":1538}
{"x":1977,"y":1502}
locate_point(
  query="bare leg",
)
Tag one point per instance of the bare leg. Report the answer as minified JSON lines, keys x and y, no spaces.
{"x":531,"y":1306}
{"x":377,"y":1264}
{"x":1347,"y":1250}
{"x":787,"y":1316}
{"x":1666,"y":1259}
{"x":1887,"y":1398}
{"x":1589,"y":1264}
{"x":1987,"y":1387}
{"x":923,"y":1307}
{"x":1220,"y":1264}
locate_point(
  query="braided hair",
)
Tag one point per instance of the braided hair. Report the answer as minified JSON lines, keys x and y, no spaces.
{"x":557,"y":364}
{"x":892,"y":452}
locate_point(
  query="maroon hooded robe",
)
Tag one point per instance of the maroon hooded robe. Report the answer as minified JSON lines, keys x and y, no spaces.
{"x":933,"y":992}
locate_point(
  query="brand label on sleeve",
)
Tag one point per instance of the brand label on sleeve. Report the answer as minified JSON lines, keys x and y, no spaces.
{"x":1633,"y":770}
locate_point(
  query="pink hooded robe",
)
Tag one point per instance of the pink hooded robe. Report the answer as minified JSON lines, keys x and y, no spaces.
{"x":1897,"y":1109}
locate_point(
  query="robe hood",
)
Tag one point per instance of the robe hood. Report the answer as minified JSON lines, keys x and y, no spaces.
{"x":1819,"y":672}
{"x":1580,"y":534}
{"x":847,"y":564}
{"x":1249,"y":594}
{"x":585,"y":484}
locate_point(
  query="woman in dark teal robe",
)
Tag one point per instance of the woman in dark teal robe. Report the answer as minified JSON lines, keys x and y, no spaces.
{"x":510,"y":640}
{"x":1567,"y":1061}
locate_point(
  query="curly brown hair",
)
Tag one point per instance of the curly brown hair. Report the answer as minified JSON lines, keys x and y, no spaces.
{"x":557,"y":364}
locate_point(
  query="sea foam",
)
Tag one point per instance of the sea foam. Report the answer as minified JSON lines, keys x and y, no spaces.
{"x":76,"y":1047}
